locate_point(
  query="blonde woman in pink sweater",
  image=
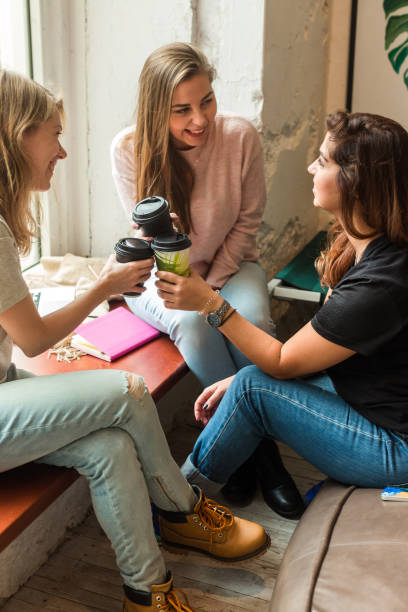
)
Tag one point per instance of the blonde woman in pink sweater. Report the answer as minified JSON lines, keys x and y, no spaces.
{"x":209,"y":166}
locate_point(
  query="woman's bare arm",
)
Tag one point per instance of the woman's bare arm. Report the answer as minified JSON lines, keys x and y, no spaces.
{"x":304,"y":353}
{"x":34,"y":334}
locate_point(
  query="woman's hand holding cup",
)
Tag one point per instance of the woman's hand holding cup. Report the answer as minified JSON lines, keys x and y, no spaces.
{"x":118,"y":277}
{"x":132,"y":249}
{"x":137,"y":232}
{"x":175,"y":219}
{"x":184,"y":292}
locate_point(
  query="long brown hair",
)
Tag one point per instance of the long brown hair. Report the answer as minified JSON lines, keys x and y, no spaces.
{"x":159,"y":168}
{"x":24,"y":104}
{"x":372,"y":154}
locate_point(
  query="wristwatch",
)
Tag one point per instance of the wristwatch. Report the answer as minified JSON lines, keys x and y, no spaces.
{"x":216,"y":317}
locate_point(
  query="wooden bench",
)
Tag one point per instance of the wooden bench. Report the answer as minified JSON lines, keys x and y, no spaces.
{"x":27,"y":491}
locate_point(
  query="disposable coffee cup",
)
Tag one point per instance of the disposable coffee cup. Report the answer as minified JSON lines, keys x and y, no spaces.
{"x":132,"y":249}
{"x":171,"y":253}
{"x":153,"y":216}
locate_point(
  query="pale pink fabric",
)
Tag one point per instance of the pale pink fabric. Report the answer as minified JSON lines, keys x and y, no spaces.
{"x":228,"y":198}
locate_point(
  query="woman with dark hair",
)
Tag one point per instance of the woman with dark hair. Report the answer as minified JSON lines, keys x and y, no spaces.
{"x":336,"y":391}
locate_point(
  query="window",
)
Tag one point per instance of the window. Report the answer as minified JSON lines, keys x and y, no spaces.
{"x":15,"y":54}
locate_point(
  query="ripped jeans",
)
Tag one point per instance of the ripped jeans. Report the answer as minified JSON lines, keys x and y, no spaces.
{"x":104,"y":424}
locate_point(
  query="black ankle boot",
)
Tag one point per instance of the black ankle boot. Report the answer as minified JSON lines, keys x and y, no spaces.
{"x":241,"y":486}
{"x":278,"y":489}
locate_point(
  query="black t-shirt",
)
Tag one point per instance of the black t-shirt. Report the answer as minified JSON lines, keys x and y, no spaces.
{"x":368,"y":313}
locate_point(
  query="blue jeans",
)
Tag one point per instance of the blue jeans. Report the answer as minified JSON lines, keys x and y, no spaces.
{"x":308,"y":415}
{"x":104,"y":424}
{"x":207,"y":353}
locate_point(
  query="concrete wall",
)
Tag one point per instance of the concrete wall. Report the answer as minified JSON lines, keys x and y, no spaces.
{"x":294,"y":86}
{"x":229,"y":32}
{"x":120,"y":35}
{"x":231,"y":35}
{"x":339,"y":40}
{"x":271,"y":58}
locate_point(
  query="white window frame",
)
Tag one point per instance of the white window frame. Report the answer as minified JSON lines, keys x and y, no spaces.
{"x":59,"y":62}
{"x":15,"y":43}
{"x":51,"y":48}
{"x":15,"y":54}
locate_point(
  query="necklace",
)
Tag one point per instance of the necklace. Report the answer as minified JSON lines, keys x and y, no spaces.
{"x":191,"y":160}
{"x":197,"y":159}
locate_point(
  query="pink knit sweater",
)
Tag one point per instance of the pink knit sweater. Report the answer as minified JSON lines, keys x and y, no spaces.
{"x":228,"y":198}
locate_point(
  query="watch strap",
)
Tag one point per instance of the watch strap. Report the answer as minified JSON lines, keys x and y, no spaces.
{"x":220,"y":313}
{"x":231,"y":312}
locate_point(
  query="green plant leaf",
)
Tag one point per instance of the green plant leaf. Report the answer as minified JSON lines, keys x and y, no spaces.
{"x":398,"y":55}
{"x":395,"y":26}
{"x":393,"y":5}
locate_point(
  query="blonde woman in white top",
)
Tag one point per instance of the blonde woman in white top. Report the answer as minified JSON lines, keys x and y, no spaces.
{"x":103,"y":422}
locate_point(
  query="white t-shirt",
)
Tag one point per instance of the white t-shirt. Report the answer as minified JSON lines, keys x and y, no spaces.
{"x":13,"y":289}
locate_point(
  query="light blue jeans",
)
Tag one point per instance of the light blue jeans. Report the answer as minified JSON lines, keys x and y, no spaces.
{"x":309,"y":416}
{"x":207,"y":353}
{"x":105,"y":425}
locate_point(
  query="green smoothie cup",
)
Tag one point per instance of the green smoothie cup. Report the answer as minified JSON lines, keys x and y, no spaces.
{"x":171,"y":252}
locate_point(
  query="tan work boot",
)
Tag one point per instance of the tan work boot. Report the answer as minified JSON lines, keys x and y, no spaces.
{"x":162,"y":597}
{"x":213,"y":530}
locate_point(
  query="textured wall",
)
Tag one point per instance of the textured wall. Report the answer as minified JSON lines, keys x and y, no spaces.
{"x":231,"y":35}
{"x":120,"y":35}
{"x":294,"y":88}
{"x":271,"y":61}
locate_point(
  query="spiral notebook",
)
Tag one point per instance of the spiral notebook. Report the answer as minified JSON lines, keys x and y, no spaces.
{"x":112,"y":335}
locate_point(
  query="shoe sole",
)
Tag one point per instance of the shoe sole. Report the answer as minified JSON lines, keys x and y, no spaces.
{"x":294,"y":515}
{"x":289,"y":515}
{"x":181,"y":548}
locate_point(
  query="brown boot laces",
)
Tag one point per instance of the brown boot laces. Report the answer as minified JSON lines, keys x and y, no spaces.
{"x":173,"y":603}
{"x":214,"y":516}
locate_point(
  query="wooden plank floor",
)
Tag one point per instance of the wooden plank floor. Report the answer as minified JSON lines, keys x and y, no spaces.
{"x":82,"y":575}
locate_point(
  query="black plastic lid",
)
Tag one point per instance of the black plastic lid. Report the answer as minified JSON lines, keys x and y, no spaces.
{"x":171,"y":242}
{"x":137,"y":248}
{"x":149,"y":208}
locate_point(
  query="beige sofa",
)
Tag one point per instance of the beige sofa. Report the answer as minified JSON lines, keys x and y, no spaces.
{"x":349,"y":553}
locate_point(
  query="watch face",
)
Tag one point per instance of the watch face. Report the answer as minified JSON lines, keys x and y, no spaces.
{"x":213,"y":319}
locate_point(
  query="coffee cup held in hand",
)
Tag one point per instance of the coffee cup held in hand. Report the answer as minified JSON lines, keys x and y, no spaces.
{"x":153,"y":216}
{"x":171,"y":253}
{"x":132,"y":249}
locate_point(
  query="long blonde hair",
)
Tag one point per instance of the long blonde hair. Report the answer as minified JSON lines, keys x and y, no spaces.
{"x":372,"y":154}
{"x":159,"y":168}
{"x":24,"y":104}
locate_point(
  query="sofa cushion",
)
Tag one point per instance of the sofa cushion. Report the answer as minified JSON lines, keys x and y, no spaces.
{"x":349,"y":552}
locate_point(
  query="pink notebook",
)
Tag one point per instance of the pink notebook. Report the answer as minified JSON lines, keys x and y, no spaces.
{"x":113,"y":335}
